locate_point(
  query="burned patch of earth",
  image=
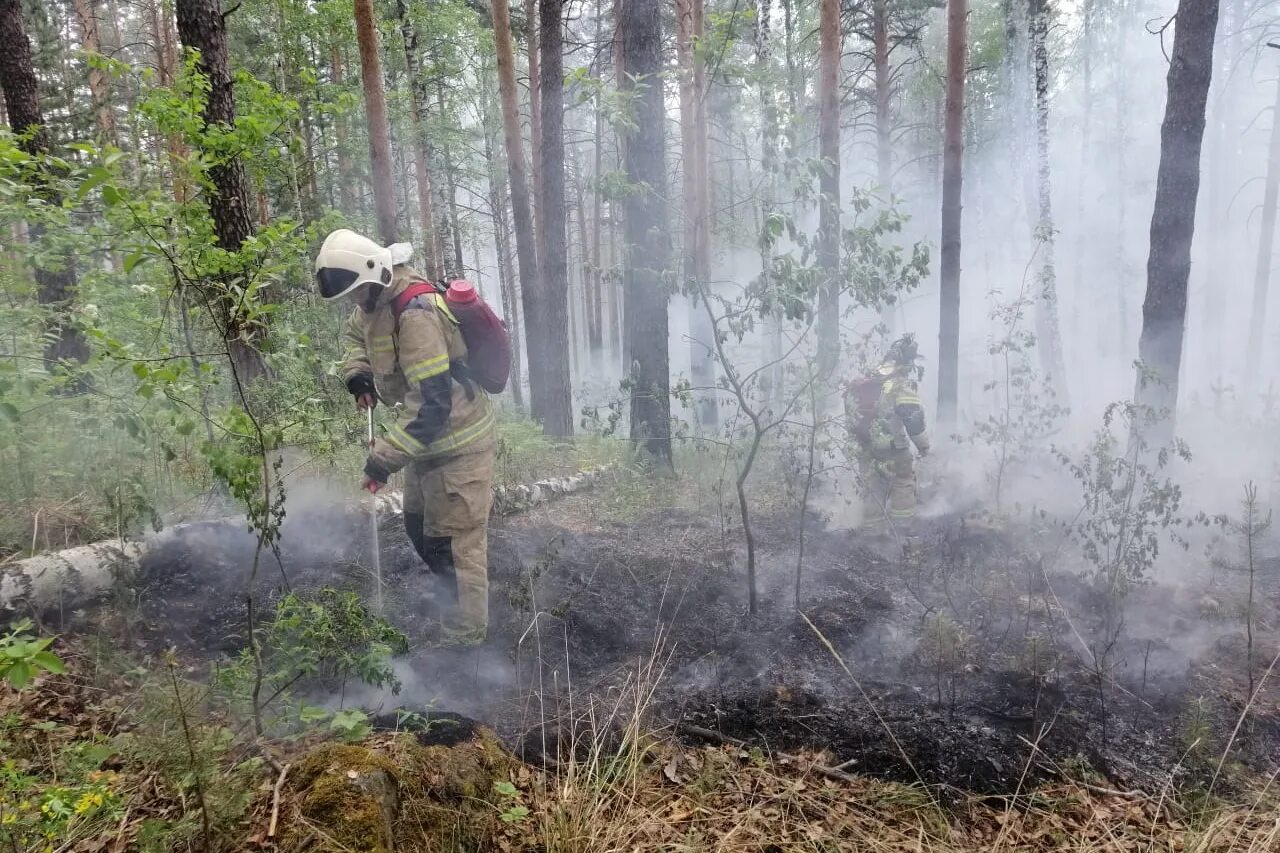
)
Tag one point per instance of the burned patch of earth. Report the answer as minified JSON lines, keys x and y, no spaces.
{"x":867,"y":675}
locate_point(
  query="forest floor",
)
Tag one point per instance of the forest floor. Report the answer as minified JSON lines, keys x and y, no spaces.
{"x":949,"y":670}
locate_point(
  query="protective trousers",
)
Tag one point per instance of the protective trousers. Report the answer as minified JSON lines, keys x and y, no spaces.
{"x":889,"y":486}
{"x":446,"y":514}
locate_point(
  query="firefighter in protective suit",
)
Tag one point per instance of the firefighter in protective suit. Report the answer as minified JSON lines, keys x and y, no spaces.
{"x":885,"y":420}
{"x":413,"y":353}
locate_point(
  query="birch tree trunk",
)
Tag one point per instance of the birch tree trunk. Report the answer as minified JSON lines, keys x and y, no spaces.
{"x":828,"y":254}
{"x":1048,"y":331}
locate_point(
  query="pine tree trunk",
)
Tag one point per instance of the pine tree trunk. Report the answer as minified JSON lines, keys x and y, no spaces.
{"x":535,"y":111}
{"x":1173,"y":218}
{"x":1048,"y":329}
{"x":597,"y":266}
{"x":537,"y":338}
{"x":87,"y":16}
{"x":883,"y":84}
{"x":201,"y":27}
{"x":1266,"y":244}
{"x":55,"y":288}
{"x":375,"y":104}
{"x":697,"y":231}
{"x":557,"y":408}
{"x":646,"y":239}
{"x":828,"y":254}
{"x":422,"y":174}
{"x":952,"y":180}
{"x":502,"y":242}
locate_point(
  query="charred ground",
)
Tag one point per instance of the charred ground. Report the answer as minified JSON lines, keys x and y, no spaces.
{"x":963,"y":648}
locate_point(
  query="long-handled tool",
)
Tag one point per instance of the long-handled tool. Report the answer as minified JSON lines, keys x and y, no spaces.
{"x":373,"y":531}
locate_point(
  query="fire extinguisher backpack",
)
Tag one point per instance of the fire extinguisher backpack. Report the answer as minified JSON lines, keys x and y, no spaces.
{"x":488,"y":344}
{"x":865,"y":393}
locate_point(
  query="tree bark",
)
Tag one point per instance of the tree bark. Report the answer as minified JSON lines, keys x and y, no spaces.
{"x":87,"y":15}
{"x":828,"y":254}
{"x":597,"y":265}
{"x":422,"y":174}
{"x":535,"y":111}
{"x":1048,"y":330}
{"x":346,"y":169}
{"x":1173,"y":218}
{"x":556,"y":392}
{"x":531,"y":294}
{"x":646,"y":239}
{"x":883,"y":86}
{"x":55,"y":288}
{"x":952,"y":179}
{"x":697,"y":231}
{"x":502,"y":240}
{"x":375,"y":104}
{"x":201,"y":27}
{"x":1266,"y":244}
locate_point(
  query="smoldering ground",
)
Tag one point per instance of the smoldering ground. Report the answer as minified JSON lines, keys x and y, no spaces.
{"x":961,"y":648}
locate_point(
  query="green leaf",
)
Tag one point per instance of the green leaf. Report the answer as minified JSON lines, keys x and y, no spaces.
{"x":506,"y":789}
{"x":49,"y":662}
{"x":134,"y":258}
{"x":9,"y":412}
{"x":19,"y":674}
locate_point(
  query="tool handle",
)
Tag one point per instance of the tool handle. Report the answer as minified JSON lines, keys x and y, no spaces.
{"x":369,"y":413}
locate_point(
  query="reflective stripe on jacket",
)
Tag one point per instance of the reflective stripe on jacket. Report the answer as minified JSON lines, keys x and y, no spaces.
{"x":409,"y":360}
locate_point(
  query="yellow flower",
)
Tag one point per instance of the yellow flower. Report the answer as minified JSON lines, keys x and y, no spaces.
{"x":88,"y":801}
{"x":9,"y":818}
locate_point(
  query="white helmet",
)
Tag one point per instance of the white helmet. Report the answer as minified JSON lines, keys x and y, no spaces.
{"x":347,"y":260}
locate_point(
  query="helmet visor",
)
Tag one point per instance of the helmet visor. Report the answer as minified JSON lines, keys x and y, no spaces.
{"x":335,"y":281}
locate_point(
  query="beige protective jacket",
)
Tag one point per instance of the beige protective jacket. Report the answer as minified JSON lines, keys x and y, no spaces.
{"x":409,"y":359}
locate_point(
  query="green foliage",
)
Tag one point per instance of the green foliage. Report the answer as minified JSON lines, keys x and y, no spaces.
{"x":23,"y":656}
{"x":328,"y":637}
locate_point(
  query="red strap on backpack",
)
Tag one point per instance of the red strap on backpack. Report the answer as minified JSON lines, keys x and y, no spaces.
{"x":410,"y":293}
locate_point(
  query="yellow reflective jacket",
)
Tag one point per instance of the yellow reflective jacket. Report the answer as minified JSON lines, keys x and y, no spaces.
{"x":409,"y":359}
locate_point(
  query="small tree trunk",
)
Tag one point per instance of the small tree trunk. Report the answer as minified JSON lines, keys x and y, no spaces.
{"x":535,"y":111}
{"x":87,"y":16}
{"x":531,"y":293}
{"x":346,"y":170}
{"x":557,"y":408}
{"x":697,"y":233}
{"x":375,"y":104}
{"x":56,"y":288}
{"x":422,"y":174}
{"x":1048,"y":330}
{"x":952,"y":178}
{"x":646,"y":241}
{"x":828,"y":254}
{"x":201,"y":26}
{"x":1173,"y":218}
{"x":597,"y":284}
{"x":1266,"y":243}
{"x":883,"y":84}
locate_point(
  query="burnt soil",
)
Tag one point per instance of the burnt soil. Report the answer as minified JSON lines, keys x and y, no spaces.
{"x":961,"y":650}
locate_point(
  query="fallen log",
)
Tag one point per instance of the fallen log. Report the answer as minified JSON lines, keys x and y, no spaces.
{"x":73,"y":577}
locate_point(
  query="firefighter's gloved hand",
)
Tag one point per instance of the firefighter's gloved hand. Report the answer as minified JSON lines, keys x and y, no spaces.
{"x":366,"y":393}
{"x":374,"y":477}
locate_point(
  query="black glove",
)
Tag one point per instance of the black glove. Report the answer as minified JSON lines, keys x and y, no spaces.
{"x":361,"y":383}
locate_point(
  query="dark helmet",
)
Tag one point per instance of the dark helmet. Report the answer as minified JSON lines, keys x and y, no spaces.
{"x":902,"y":354}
